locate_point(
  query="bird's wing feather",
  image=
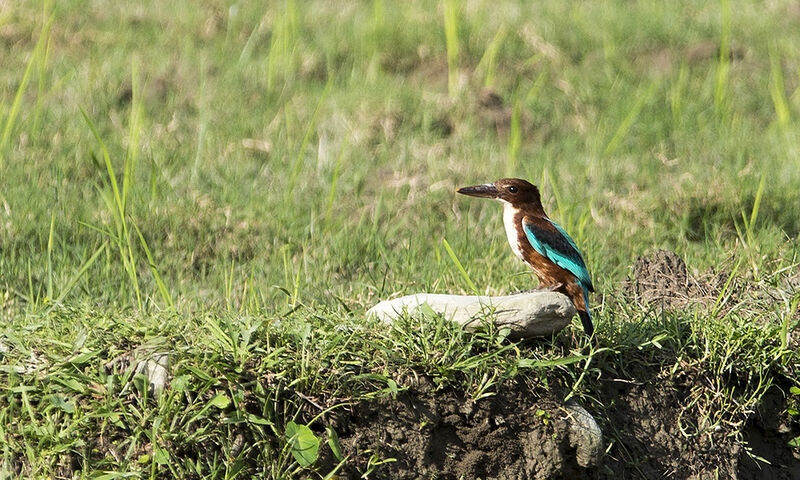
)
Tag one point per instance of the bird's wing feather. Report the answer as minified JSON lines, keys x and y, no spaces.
{"x":556,"y":245}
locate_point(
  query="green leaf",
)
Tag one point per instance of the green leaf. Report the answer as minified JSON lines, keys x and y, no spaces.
{"x":83,"y":358}
{"x":180,"y":383}
{"x":255,"y":419}
{"x":392,"y":386}
{"x":305,"y":445}
{"x":220,"y":401}
{"x":160,"y":456}
{"x":70,"y":383}
{"x":58,"y":401}
{"x":795,"y":442}
{"x":333,"y":442}
{"x":795,"y":390}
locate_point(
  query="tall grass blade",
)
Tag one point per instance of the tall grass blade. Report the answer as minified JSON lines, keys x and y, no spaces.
{"x":16,"y":105}
{"x":756,"y":204}
{"x":297,"y":167}
{"x":677,"y":94}
{"x":248,"y":46}
{"x":723,"y":64}
{"x":134,"y":131}
{"x":488,"y":63}
{"x":515,"y":136}
{"x":297,"y":277}
{"x":787,"y":318}
{"x":749,"y":227}
{"x":229,"y":287}
{"x":282,"y":40}
{"x":627,"y":122}
{"x":776,"y":87}
{"x":116,"y":207}
{"x":724,"y":291}
{"x":460,"y":267}
{"x":378,"y":15}
{"x":334,"y":181}
{"x":451,"y":40}
{"x":533,"y":93}
{"x":112,"y":177}
{"x":202,"y":126}
{"x":74,"y":279}
{"x":162,"y":288}
{"x":43,"y":60}
{"x":50,"y":256}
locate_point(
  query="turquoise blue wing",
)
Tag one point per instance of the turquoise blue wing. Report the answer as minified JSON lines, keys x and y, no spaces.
{"x":553,"y":242}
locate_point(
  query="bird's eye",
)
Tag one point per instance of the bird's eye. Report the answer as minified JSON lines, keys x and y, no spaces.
{"x":512,"y":189}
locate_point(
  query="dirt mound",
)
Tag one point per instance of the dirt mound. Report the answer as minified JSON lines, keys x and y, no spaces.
{"x":519,"y":434}
{"x":661,"y":277}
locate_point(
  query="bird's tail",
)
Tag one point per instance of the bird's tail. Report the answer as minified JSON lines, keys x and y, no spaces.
{"x":586,"y":317}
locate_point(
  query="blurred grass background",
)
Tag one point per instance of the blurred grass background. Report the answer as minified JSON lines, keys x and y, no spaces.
{"x":332,"y":134}
{"x":166,"y":167}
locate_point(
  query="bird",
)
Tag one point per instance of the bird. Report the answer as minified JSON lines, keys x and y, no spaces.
{"x":540,"y":242}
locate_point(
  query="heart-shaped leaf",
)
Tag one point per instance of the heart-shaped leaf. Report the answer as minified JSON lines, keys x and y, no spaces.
{"x":305,"y":445}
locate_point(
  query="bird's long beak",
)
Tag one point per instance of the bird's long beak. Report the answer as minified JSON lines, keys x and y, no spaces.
{"x":487,"y":190}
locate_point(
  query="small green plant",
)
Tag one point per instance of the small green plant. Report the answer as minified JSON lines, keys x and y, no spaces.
{"x":747,"y":237}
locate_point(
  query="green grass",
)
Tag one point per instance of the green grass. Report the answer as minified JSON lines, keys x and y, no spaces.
{"x":238,"y":183}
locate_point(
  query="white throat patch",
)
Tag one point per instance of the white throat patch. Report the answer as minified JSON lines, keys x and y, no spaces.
{"x":509,"y":214}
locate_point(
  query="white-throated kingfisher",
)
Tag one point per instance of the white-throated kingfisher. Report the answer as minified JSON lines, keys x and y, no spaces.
{"x":540,"y":242}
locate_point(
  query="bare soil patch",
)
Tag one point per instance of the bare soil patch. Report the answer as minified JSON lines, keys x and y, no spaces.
{"x":522,"y":434}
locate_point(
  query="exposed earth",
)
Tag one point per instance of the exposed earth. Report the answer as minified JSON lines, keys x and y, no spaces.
{"x":518,"y":435}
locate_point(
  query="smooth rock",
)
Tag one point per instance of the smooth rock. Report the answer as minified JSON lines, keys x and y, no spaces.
{"x":156,"y":370}
{"x":584,"y":435}
{"x":148,"y":361}
{"x":532,"y":314}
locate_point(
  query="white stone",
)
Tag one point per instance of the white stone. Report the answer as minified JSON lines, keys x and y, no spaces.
{"x":532,"y":314}
{"x":156,"y":370}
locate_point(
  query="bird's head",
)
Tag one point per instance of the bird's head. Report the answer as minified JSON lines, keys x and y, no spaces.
{"x":516,"y":191}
